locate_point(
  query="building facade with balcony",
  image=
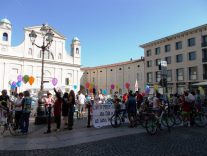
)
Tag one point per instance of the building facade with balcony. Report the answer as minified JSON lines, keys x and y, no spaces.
{"x":186,"y":57}
{"x":117,"y":75}
{"x":25,"y":59}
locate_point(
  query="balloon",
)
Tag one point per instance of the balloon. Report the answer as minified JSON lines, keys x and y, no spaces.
{"x":13,"y":87}
{"x":31,"y":80}
{"x":54,"y":81}
{"x":18,"y":83}
{"x":14,"y":83}
{"x":91,"y":90}
{"x":10,"y":82}
{"x":87,"y":85}
{"x":104,"y":92}
{"x":127,"y":85}
{"x":147,"y":89}
{"x":75,"y":87}
{"x":156,"y":87}
{"x":91,"y":85}
{"x":19,"y":78}
{"x":112,"y":86}
{"x":117,"y":86}
{"x":25,"y":79}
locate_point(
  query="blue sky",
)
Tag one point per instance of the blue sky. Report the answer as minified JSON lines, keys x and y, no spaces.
{"x":110,"y":31}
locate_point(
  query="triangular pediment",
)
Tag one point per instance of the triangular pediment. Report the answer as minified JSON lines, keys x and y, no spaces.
{"x":37,"y":30}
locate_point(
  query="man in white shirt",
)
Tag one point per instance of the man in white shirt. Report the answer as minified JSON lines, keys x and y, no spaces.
{"x":18,"y":110}
{"x":81,"y":104}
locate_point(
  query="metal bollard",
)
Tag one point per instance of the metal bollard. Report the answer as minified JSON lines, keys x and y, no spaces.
{"x":49,"y":120}
{"x":89,"y":114}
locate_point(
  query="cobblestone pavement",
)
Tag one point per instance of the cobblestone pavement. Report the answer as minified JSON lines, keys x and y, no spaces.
{"x":180,"y":141}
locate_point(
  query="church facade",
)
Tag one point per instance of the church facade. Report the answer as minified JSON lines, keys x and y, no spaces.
{"x":26,"y":59}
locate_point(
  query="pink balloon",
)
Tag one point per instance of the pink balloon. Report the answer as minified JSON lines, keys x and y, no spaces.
{"x":54,"y":81}
{"x":112,"y":86}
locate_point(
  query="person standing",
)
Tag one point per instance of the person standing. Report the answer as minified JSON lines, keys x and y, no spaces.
{"x":26,"y":110}
{"x":4,"y":99}
{"x":81,"y":102}
{"x":131,"y":108}
{"x":65,"y":107}
{"x":48,"y":102}
{"x":71,"y":109}
{"x":57,"y":109}
{"x":18,"y":110}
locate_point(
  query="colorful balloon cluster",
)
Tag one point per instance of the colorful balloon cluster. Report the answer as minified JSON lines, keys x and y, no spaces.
{"x":21,"y":79}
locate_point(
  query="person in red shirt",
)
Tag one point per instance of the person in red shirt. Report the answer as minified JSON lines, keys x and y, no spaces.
{"x":57,"y":109}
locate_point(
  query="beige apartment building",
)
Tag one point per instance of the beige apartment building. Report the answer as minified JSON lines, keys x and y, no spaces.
{"x":117,"y":75}
{"x":186,"y":57}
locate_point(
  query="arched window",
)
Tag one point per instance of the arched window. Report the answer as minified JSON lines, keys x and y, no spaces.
{"x":30,"y":51}
{"x":5,"y":37}
{"x":59,"y":56}
{"x":77,"y":50}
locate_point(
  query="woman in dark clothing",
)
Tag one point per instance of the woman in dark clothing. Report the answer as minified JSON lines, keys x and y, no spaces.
{"x":65,"y":107}
{"x":57,"y":109}
{"x":71,"y":109}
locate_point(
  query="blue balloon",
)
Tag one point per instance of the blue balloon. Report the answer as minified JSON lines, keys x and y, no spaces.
{"x":18,"y":83}
{"x":13,"y":87}
{"x":75,"y":87}
{"x":104,"y":91}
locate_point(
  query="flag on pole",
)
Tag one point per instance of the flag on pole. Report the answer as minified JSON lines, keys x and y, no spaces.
{"x":136,"y":86}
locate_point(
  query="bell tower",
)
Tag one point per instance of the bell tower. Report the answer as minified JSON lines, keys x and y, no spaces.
{"x":76,"y":50}
{"x":5,"y":33}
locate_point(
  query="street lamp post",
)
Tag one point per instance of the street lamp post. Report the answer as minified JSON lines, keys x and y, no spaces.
{"x":47,"y":35}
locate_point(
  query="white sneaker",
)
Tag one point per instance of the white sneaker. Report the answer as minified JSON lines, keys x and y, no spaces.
{"x":58,"y":130}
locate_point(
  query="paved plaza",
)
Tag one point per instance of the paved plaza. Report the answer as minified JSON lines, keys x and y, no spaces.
{"x":81,"y":140}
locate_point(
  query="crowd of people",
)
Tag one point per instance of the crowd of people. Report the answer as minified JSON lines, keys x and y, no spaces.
{"x":64,"y":106}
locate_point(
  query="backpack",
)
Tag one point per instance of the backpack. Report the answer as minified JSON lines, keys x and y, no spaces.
{"x":26,"y":105}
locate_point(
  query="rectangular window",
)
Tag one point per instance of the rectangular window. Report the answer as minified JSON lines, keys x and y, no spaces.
{"x":149,"y":63}
{"x":157,"y":76}
{"x":178,"y":45}
{"x":204,"y":41}
{"x":192,"y":55}
{"x":169,"y":75}
{"x":149,"y":52}
{"x":167,"y":48}
{"x":192,"y":73}
{"x":191,"y":42}
{"x":157,"y":62}
{"x":180,"y":74}
{"x":149,"y":77}
{"x":157,"y":51}
{"x":179,"y":58}
{"x":67,"y":81}
{"x":168,"y":59}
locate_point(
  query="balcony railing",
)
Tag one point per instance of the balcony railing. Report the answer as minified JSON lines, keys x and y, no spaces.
{"x":205,"y":76}
{"x":204,"y":44}
{"x":204,"y":59}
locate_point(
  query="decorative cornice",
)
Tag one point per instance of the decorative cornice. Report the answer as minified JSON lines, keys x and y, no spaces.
{"x":177,"y":35}
{"x":38,"y":60}
{"x":113,"y":65}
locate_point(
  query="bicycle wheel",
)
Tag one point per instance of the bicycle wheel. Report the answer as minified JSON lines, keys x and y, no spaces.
{"x":168,"y":120}
{"x":151,"y":126}
{"x":115,"y":121}
{"x":12,"y":130}
{"x":200,"y":120}
{"x":178,"y":119}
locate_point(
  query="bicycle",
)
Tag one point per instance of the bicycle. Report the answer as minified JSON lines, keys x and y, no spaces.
{"x":118,"y":118}
{"x":154,"y":122}
{"x":6,"y":122}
